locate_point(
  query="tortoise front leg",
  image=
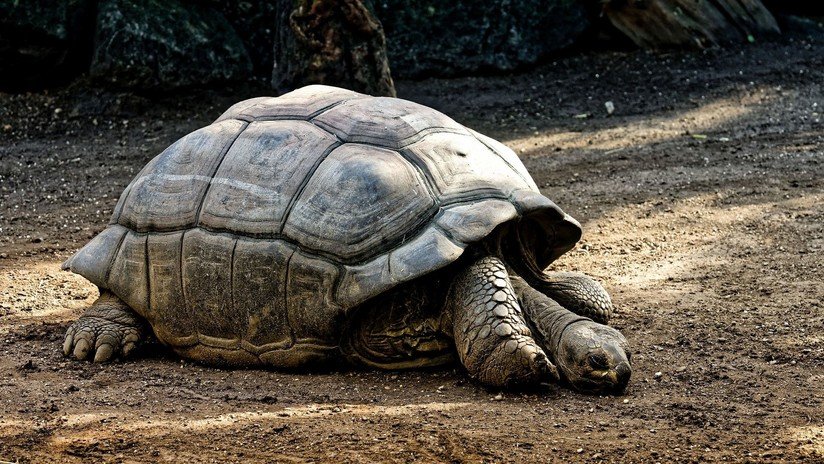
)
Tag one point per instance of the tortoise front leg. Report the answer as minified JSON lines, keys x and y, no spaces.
{"x":578,"y":293}
{"x":108,"y":328}
{"x":493,"y":341}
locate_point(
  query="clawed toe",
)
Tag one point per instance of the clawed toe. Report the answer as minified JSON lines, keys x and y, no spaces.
{"x":99,"y":339}
{"x":543,"y":367}
{"x":533,"y":367}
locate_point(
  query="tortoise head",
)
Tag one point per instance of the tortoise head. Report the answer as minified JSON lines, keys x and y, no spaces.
{"x":594,"y":357}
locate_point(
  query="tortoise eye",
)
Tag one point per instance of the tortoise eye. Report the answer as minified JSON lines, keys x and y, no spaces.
{"x":597,"y":361}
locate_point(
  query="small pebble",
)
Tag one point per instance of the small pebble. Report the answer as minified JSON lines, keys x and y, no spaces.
{"x":610,"y":107}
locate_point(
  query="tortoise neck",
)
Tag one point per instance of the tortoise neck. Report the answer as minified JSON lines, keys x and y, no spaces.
{"x":547,"y":319}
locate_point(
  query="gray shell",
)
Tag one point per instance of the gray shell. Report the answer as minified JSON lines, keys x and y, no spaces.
{"x":259,"y":232}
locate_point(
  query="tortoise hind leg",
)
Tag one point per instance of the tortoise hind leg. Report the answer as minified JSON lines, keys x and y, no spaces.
{"x":578,"y":293}
{"x":108,"y":328}
{"x":400,"y":330}
{"x":493,"y":341}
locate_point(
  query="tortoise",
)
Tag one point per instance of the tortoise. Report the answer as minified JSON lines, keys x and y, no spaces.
{"x":326,"y":227}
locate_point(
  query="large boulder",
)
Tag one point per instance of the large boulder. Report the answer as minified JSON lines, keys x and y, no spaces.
{"x":660,"y":24}
{"x":436,"y":38}
{"x":43,"y":42}
{"x":164,"y":44}
{"x":254,"y":22}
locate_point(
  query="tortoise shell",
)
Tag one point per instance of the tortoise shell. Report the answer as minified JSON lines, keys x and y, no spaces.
{"x":260,"y":232}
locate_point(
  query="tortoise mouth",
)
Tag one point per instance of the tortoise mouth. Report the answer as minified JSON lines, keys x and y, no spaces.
{"x":606,"y":380}
{"x":601,"y":381}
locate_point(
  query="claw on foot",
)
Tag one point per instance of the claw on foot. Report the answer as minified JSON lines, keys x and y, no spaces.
{"x":100,"y":337}
{"x":108,"y":329}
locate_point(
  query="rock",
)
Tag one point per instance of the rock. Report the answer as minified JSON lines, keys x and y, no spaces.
{"x":43,"y":43}
{"x":254,"y":23}
{"x":164,"y":44}
{"x":432,"y":38}
{"x":29,"y":366}
{"x":610,"y":107}
{"x":330,"y":42}
{"x":660,"y":24}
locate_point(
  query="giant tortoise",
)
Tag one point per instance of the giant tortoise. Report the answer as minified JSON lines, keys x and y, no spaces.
{"x":326,"y":226}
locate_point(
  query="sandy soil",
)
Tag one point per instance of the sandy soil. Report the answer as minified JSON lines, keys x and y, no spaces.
{"x":702,"y":199}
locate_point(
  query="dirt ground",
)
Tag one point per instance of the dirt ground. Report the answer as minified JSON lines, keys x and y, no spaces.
{"x":702,"y":201}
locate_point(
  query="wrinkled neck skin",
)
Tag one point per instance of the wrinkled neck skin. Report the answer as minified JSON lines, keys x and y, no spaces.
{"x":549,"y":321}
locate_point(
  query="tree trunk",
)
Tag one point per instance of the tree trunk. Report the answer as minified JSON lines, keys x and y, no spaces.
{"x":337,"y":42}
{"x":690,"y":23}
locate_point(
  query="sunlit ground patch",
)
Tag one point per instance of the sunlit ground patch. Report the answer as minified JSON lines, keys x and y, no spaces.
{"x":811,"y":439}
{"x":86,"y":426}
{"x":41,"y":291}
{"x":630,"y":133}
{"x":703,"y":236}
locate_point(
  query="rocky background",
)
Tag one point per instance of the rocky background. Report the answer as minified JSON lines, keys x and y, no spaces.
{"x":160,"y":45}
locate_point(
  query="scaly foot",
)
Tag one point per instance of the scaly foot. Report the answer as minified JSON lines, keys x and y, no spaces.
{"x":109,"y":328}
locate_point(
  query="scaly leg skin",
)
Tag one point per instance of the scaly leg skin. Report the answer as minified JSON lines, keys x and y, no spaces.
{"x":108,"y":328}
{"x":590,"y":356}
{"x":578,"y":293}
{"x":492,"y":338}
{"x":400,"y":330}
